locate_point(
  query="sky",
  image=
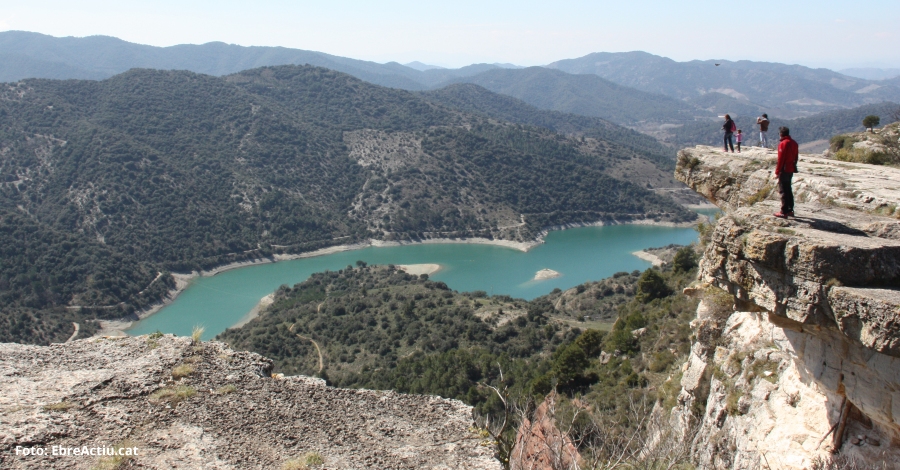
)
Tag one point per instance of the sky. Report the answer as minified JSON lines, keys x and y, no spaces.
{"x":824,"y":33}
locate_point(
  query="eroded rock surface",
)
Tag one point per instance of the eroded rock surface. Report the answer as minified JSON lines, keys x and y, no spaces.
{"x":232,"y":412}
{"x":808,"y":359}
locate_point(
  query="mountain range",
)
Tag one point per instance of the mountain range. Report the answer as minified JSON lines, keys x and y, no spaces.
{"x":787,"y":90}
{"x":643,"y":87}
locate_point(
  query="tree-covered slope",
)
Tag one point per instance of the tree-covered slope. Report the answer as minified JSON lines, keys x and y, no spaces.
{"x":475,"y":99}
{"x":108,"y":186}
{"x":784,"y":89}
{"x":587,"y":95}
{"x":378,"y":327}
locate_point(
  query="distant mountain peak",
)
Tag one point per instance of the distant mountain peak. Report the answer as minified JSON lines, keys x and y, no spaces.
{"x":423,"y":67}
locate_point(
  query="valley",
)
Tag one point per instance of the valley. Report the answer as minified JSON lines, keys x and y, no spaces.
{"x":267,"y":257}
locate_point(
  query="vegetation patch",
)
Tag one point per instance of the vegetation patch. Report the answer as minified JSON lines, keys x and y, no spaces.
{"x":307,"y":461}
{"x":117,"y":461}
{"x":765,"y":369}
{"x":172,"y":395}
{"x":182,"y":371}
{"x":761,"y":195}
{"x":61,"y":406}
{"x":225,"y":390}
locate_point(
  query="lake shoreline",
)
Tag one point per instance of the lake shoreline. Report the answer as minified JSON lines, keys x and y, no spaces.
{"x":119,"y":327}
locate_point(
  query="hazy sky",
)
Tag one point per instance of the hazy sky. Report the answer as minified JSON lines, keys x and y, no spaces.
{"x":822,"y":33}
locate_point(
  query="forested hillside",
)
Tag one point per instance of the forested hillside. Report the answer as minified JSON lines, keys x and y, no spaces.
{"x":587,"y":95}
{"x":378,"y":327}
{"x":108,"y":186}
{"x":781,"y":89}
{"x":475,"y":99}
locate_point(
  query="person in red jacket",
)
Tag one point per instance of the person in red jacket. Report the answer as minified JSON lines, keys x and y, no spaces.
{"x":788,"y":153}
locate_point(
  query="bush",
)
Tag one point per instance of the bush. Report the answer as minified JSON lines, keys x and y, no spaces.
{"x":850,"y":154}
{"x":841,"y":141}
{"x":871,"y":121}
{"x":685,"y":260}
{"x":652,"y":286}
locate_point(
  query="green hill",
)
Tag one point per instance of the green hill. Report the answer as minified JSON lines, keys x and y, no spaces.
{"x":377,"y":327}
{"x":587,"y":95}
{"x":475,"y":99}
{"x":108,"y":186}
{"x":779,"y":89}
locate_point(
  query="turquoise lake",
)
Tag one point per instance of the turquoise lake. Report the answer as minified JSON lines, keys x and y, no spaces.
{"x":578,"y":254}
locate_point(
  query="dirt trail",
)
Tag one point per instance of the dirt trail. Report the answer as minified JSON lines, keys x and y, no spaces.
{"x":318,"y":349}
{"x":75,"y":334}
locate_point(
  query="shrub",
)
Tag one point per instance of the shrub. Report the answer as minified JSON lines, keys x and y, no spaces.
{"x":651,"y":285}
{"x":841,"y":141}
{"x":685,"y":260}
{"x":687,"y":161}
{"x":871,"y":121}
{"x":856,"y":155}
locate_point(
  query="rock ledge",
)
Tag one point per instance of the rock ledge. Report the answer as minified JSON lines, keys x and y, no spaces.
{"x":232,"y":413}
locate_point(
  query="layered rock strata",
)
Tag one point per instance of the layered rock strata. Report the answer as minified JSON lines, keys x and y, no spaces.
{"x":205,"y":406}
{"x":804,"y":360}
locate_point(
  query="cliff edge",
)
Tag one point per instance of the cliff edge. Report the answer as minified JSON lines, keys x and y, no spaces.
{"x":187,"y":405}
{"x":797,"y":356}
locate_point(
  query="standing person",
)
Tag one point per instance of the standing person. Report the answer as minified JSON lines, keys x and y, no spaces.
{"x":763,"y":123}
{"x":729,"y":128}
{"x":788,"y":153}
{"x":738,"y":138}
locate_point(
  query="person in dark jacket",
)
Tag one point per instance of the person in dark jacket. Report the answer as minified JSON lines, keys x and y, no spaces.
{"x":729,"y":127}
{"x":788,"y":154}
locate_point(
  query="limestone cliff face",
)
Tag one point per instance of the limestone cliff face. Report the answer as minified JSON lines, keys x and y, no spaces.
{"x":806,"y":363}
{"x":206,"y":406}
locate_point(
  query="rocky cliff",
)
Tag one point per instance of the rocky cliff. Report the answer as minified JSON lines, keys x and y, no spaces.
{"x":797,"y":351}
{"x":187,"y":405}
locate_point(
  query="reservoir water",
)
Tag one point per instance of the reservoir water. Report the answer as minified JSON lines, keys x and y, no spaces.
{"x":579,"y":255}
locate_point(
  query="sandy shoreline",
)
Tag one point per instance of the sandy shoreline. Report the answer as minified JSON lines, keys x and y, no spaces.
{"x":650,"y":257}
{"x":545,"y":274}
{"x":417,"y":269}
{"x":183,"y":280}
{"x":255,"y":311}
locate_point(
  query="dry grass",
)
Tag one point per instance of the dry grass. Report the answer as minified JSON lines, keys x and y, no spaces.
{"x":197,"y":333}
{"x":226,"y":389}
{"x":304,"y":462}
{"x":182,"y":371}
{"x":172,"y":394}
{"x":61,"y":406}
{"x":761,"y":195}
{"x":116,"y":461}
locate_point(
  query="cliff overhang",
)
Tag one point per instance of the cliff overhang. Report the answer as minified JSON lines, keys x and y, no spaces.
{"x":821,"y":289}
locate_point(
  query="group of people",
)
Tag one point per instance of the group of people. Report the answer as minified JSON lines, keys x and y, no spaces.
{"x":788,"y":154}
{"x":730,"y":128}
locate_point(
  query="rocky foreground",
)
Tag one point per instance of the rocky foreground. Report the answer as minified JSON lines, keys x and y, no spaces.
{"x":803,"y":362}
{"x":187,"y":405}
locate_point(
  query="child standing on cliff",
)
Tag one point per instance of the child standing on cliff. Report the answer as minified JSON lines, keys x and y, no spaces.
{"x":738,"y":139}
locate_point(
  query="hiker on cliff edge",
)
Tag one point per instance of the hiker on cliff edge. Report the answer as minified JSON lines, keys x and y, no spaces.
{"x":788,"y":153}
{"x":763,"y":123}
{"x":729,"y":129}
